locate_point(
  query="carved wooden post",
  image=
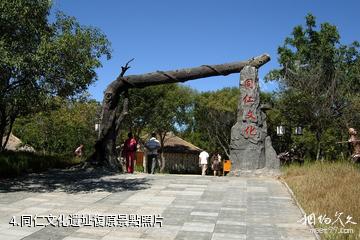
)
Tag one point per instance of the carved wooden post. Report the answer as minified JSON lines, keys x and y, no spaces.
{"x":250,"y":147}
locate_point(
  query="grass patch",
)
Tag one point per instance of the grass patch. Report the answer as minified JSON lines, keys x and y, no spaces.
{"x":17,"y":163}
{"x":139,"y":168}
{"x":326,"y":188}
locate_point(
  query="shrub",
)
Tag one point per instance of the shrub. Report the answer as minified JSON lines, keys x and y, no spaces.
{"x":17,"y":163}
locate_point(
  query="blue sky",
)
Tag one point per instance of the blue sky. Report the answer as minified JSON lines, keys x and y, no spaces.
{"x":167,"y":35}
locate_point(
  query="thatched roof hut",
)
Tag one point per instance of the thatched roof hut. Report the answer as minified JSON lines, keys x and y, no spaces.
{"x":181,"y":156}
{"x":15,"y":144}
{"x":175,"y":144}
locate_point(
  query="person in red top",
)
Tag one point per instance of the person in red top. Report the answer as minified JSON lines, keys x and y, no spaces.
{"x":130,"y":146}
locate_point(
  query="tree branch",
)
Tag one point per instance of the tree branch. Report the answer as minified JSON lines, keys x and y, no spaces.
{"x":12,"y":120}
{"x":182,"y":75}
{"x":126,"y":67}
{"x":125,"y":107}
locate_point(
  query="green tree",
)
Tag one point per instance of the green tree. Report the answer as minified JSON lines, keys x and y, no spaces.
{"x":39,"y":59}
{"x":62,"y":129}
{"x":159,"y":109}
{"x":318,"y":77}
{"x":214,"y":115}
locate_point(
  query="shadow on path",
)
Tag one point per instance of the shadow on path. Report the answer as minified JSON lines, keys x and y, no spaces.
{"x":73,"y":181}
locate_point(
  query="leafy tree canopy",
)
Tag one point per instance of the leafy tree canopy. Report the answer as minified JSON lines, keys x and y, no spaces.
{"x":214,"y":114}
{"x":39,"y":59}
{"x":60,"y":130}
{"x":159,"y":108}
{"x":319,"y":78}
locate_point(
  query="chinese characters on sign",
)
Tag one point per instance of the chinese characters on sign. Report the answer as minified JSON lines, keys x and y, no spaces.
{"x":250,"y":131}
{"x":249,"y":103}
{"x":249,"y":84}
{"x":250,"y":145}
{"x":251,"y":116}
{"x":248,"y":99}
{"x":81,"y":220}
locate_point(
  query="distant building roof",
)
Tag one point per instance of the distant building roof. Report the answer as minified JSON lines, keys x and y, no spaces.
{"x":176,"y":144}
{"x":15,"y":144}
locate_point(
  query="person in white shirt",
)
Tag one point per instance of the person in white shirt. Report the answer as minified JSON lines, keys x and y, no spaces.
{"x":152,"y":146}
{"x":203,"y":162}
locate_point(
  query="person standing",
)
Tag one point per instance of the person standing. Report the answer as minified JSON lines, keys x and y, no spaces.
{"x":215,"y":163}
{"x":130,"y":146}
{"x":203,"y":162}
{"x":152,"y":146}
{"x":79,"y":151}
{"x":355,"y":143}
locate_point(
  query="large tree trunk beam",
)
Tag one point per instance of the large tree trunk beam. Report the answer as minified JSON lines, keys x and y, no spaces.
{"x":186,"y":74}
{"x":111,"y":94}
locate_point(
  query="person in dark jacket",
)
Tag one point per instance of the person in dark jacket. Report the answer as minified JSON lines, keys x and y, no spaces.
{"x":215,"y":163}
{"x":152,"y":146}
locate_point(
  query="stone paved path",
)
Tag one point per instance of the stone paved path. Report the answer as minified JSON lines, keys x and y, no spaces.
{"x":192,"y":207}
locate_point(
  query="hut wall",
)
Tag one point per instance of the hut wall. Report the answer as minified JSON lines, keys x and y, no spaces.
{"x":182,"y":162}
